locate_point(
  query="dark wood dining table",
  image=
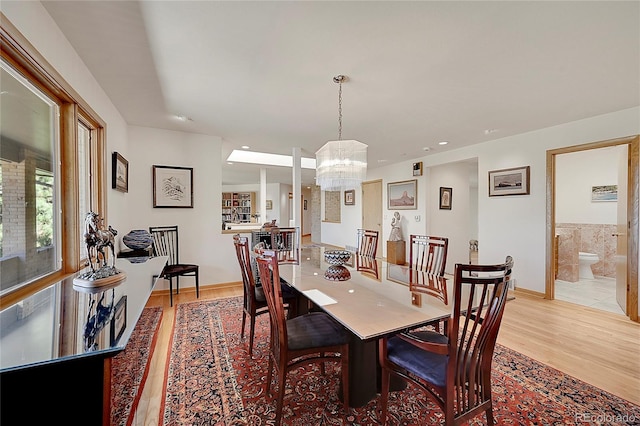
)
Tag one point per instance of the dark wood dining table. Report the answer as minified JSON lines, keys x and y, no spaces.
{"x":381,"y":299}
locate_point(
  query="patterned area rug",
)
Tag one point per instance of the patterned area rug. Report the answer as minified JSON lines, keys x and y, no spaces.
{"x":210,"y":380}
{"x":130,"y":367}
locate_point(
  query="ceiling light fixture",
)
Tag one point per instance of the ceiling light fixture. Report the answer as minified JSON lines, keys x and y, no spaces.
{"x":341,"y":164}
{"x":245,"y":147}
{"x":443,"y":143}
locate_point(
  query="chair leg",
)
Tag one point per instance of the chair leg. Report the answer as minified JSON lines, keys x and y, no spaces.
{"x":197,"y":286}
{"x":244,"y":321}
{"x":178,"y":284}
{"x":252,"y":328}
{"x":489,"y":413}
{"x":170,"y":291}
{"x":267,"y":388}
{"x":282,"y":373}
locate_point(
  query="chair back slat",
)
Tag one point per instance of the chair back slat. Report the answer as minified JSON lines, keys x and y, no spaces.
{"x":270,"y":274}
{"x":428,"y":253}
{"x":244,"y":260}
{"x":486,"y":287}
{"x":367,"y":242}
{"x":165,"y":242}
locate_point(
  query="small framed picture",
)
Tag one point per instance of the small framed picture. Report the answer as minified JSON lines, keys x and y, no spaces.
{"x":445,"y":198}
{"x":350,"y":197}
{"x":119,"y":173}
{"x":417,"y":168}
{"x":513,"y":181}
{"x":119,"y":320}
{"x":604,"y":193}
{"x":305,"y":204}
{"x":269,"y":204}
{"x":172,"y":186}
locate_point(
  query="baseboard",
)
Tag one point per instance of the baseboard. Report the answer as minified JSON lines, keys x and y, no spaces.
{"x":529,"y":292}
{"x":221,"y":286}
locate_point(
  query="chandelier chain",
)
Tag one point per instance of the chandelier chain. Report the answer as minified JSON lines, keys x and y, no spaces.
{"x":340,"y":111}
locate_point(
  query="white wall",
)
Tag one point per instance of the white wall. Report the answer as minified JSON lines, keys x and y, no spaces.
{"x":576,"y":173}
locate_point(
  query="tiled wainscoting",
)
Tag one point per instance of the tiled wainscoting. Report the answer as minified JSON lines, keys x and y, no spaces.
{"x":586,"y":237}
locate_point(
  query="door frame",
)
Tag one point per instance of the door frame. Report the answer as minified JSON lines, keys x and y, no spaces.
{"x":633,"y":143}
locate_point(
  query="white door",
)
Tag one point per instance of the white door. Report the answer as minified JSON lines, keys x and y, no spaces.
{"x":621,"y":230}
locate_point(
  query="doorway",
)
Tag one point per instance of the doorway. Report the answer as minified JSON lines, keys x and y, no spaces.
{"x":372,"y":209}
{"x":626,"y":277}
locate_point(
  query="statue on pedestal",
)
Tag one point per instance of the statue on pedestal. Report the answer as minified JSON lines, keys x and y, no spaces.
{"x":396,"y":230}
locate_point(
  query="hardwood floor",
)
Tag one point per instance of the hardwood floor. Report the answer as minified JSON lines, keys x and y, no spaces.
{"x":597,"y":347}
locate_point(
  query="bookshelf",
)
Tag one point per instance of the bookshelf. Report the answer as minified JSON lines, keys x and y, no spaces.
{"x":244,"y":204}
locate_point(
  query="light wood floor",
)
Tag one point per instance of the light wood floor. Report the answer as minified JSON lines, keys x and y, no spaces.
{"x":597,"y":347}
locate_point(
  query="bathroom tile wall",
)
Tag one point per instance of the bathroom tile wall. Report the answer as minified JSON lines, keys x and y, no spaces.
{"x":590,"y":238}
{"x":568,"y":245}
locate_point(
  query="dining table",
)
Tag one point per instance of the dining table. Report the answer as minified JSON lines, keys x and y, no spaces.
{"x":378,"y":299}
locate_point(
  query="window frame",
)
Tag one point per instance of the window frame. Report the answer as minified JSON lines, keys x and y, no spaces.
{"x":26,"y":60}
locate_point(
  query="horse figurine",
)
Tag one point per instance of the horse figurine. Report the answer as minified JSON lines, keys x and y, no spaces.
{"x":96,"y":239}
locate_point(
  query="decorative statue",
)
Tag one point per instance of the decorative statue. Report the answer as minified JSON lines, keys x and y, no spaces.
{"x":96,"y":240}
{"x":396,"y":230}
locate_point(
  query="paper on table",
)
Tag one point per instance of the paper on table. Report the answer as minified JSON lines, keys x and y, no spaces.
{"x":319,"y":298}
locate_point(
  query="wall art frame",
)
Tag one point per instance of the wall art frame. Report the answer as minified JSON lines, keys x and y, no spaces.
{"x":402,"y":195}
{"x":603,"y":193}
{"x":269,"y":204}
{"x":119,"y":320}
{"x":350,"y":197}
{"x":446,"y":198}
{"x":119,"y":172}
{"x":172,"y":186}
{"x":513,"y":181}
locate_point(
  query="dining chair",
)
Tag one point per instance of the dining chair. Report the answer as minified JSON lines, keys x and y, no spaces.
{"x":254,"y":302}
{"x":367,"y":242}
{"x":285,"y":242}
{"x":454,"y":369}
{"x":314,"y":337}
{"x":165,"y":243}
{"x":428,"y":253}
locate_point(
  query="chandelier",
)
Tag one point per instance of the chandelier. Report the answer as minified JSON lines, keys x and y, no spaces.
{"x":341,"y":164}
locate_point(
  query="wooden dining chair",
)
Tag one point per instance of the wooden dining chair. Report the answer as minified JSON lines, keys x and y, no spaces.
{"x":285,"y":242}
{"x":165,"y":243}
{"x":428,"y":253}
{"x":367,"y":242}
{"x":254,"y":301}
{"x":454,"y":369}
{"x":314,"y":337}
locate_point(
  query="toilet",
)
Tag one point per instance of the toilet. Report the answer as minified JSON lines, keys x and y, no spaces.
{"x":585,"y":260}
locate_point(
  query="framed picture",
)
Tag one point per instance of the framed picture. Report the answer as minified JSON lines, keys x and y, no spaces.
{"x":350,"y":197}
{"x":402,"y":195}
{"x":269,"y":204}
{"x":119,"y":320}
{"x":604,"y":193}
{"x":305,"y":204}
{"x":513,"y":181}
{"x":119,"y":173}
{"x":172,"y":186}
{"x":417,"y":168}
{"x":445,"y":198}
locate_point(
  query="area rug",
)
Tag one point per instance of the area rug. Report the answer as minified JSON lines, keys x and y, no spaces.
{"x":211,"y":380}
{"x":130,"y":367}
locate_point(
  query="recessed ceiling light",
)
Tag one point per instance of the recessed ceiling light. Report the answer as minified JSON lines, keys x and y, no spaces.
{"x":489,"y":131}
{"x":443,"y":143}
{"x":426,"y":148}
{"x":245,"y":147}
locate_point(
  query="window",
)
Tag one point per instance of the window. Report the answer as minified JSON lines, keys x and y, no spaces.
{"x":48,"y":135}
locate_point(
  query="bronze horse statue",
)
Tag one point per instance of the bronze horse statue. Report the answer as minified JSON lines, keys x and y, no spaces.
{"x":96,"y":239}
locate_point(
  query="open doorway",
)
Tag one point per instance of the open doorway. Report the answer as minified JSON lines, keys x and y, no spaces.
{"x":581,"y":235}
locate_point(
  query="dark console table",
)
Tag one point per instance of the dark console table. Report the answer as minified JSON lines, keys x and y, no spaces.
{"x":56,"y":346}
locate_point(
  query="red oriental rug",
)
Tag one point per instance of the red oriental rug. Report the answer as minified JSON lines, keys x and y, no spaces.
{"x":130,"y":367}
{"x":211,"y":381}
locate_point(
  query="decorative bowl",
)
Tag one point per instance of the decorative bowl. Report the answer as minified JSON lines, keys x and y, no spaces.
{"x":337,"y":257}
{"x":138,"y":239}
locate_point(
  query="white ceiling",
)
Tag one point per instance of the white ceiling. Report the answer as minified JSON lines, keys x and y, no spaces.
{"x":260,"y":73}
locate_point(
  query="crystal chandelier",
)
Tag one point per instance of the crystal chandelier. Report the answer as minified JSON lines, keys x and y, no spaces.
{"x":341,"y":164}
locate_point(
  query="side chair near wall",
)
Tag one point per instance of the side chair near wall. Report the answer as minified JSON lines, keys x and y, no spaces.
{"x":454,"y":369}
{"x":367,"y":242}
{"x":254,"y":300}
{"x":310,"y":338}
{"x":165,"y":243}
{"x":428,"y":253}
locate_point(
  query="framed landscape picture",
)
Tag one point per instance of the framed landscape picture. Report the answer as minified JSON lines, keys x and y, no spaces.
{"x":402,"y":195}
{"x":513,"y":181}
{"x":172,"y":186}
